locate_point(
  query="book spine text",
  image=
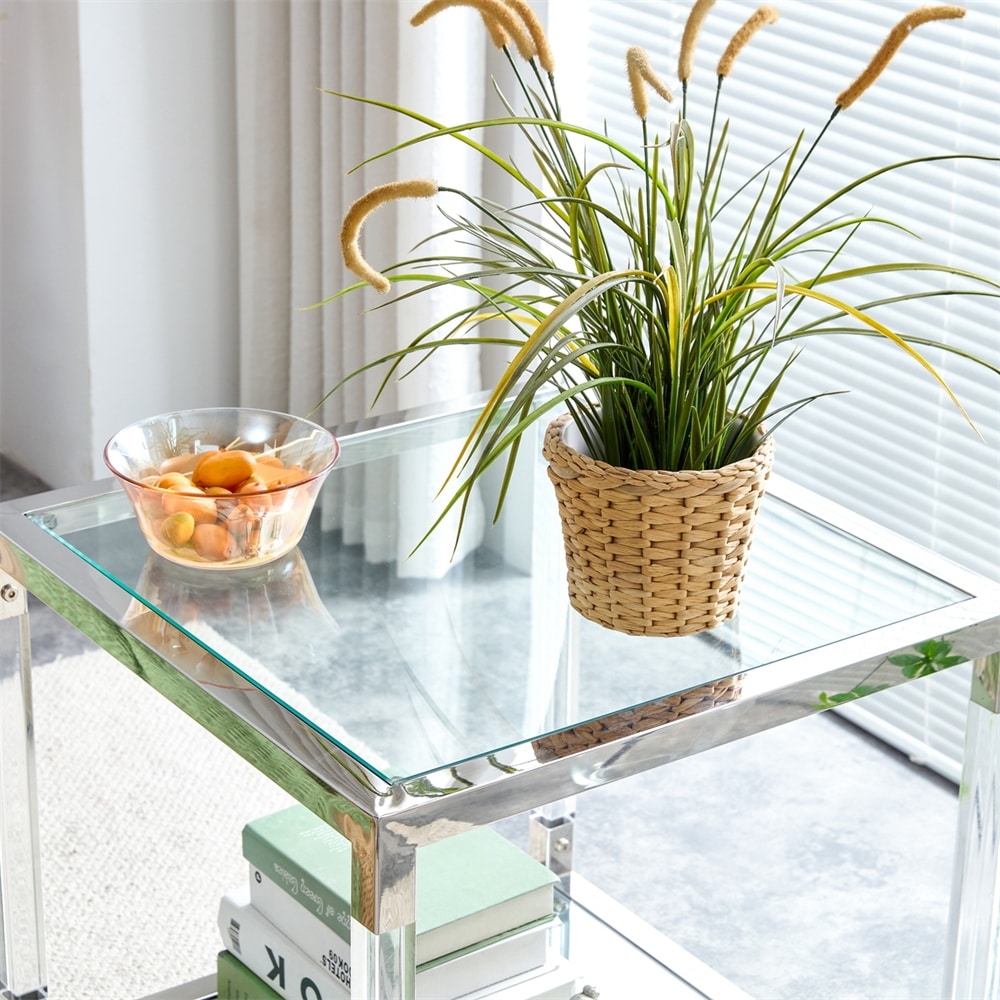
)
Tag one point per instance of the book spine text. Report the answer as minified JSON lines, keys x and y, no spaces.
{"x":272,"y":956}
{"x":299,"y":884}
{"x":320,"y":944}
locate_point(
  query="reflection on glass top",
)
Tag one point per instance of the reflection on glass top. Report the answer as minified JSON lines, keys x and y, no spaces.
{"x":416,"y":662}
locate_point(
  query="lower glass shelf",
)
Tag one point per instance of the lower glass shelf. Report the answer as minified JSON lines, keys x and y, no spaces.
{"x":622,"y":957}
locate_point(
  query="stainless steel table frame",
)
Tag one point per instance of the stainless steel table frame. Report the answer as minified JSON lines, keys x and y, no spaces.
{"x":831,"y":601}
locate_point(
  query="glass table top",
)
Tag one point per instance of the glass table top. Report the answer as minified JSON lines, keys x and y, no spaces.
{"x":415,"y":663}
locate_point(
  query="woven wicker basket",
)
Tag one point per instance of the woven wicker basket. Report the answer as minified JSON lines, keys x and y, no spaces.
{"x":654,"y":552}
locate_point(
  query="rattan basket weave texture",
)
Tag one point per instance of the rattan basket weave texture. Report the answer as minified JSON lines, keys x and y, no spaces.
{"x":655,"y":552}
{"x":639,"y":719}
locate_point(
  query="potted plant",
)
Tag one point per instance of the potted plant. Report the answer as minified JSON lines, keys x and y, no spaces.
{"x":633,"y":298}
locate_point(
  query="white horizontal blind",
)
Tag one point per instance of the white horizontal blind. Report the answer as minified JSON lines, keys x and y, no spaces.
{"x":895,"y":448}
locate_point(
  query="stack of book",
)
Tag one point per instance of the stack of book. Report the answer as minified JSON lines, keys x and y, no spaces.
{"x":485,"y":910}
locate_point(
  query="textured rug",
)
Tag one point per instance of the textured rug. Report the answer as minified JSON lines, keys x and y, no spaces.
{"x":140,"y":814}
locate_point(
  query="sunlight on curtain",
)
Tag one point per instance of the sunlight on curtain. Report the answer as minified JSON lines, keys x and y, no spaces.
{"x":297,"y":151}
{"x":297,"y":148}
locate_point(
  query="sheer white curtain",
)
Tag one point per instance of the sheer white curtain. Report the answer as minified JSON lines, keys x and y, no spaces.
{"x":296,"y":148}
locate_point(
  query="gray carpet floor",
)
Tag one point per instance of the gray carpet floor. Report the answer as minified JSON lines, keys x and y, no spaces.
{"x":807,"y":862}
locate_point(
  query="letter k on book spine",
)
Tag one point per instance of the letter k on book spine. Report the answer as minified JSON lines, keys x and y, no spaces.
{"x":311,"y":935}
{"x":271,"y":956}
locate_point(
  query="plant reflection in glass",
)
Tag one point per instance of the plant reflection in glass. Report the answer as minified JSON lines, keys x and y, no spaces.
{"x":927,"y":658}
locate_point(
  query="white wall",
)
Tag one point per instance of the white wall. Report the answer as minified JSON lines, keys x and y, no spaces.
{"x":119,"y":253}
{"x":44,"y":372}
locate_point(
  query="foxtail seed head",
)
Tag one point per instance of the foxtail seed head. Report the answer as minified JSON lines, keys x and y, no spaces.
{"x":685,"y":64}
{"x":350,"y":231}
{"x":639,"y":74}
{"x":537,"y":32}
{"x":756,"y":21}
{"x":499,"y":37}
{"x":496,"y":10}
{"x":888,"y":48}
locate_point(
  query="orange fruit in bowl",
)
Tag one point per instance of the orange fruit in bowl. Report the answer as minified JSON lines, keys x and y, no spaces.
{"x":177,"y":529}
{"x":290,"y":476}
{"x":201,"y":508}
{"x":175,"y":481}
{"x":213,"y":542}
{"x":223,"y":468}
{"x":254,"y":493}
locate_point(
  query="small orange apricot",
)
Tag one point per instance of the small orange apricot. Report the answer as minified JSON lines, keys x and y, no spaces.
{"x":213,"y":542}
{"x":268,"y":473}
{"x":175,"y":481}
{"x":292,"y":475}
{"x":256,"y":490}
{"x":223,"y":468}
{"x":177,"y":529}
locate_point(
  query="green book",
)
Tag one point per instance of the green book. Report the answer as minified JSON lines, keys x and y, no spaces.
{"x":308,"y":859}
{"x":236,"y":982}
{"x":470,"y":887}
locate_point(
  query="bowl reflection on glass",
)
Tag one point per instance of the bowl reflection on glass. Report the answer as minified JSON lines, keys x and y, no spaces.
{"x":267,"y":615}
{"x":222,"y":488}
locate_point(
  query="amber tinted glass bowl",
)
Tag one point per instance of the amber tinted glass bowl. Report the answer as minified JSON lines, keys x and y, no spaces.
{"x":222,"y":488}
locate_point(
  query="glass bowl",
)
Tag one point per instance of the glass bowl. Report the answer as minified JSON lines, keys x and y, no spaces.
{"x":222,"y":488}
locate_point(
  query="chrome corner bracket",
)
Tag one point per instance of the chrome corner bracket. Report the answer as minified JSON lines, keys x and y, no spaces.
{"x":551,"y":842}
{"x":13,"y":597}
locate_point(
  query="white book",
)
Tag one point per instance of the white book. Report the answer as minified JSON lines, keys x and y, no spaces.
{"x":270,"y":952}
{"x":322,"y":946}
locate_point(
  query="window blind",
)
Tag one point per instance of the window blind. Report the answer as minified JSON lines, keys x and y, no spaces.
{"x":894,"y":448}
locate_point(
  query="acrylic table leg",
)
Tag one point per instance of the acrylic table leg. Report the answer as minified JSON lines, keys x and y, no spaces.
{"x":972,"y":970}
{"x":22,"y":960}
{"x":384,"y":877}
{"x":550,"y":827}
{"x":382,"y":965}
